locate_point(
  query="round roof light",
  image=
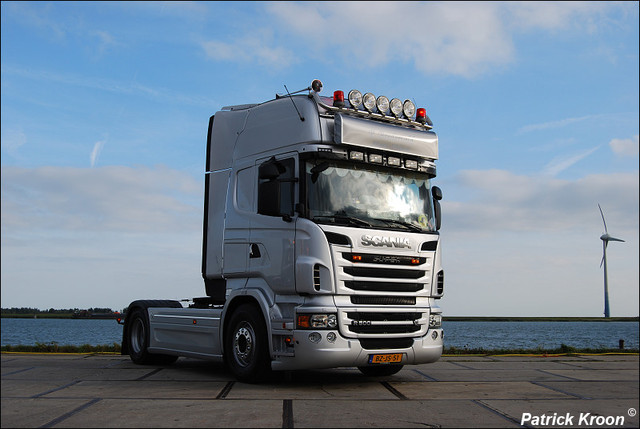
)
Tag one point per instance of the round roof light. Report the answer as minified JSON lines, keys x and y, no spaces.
{"x":382,"y":103}
{"x":369,"y":101}
{"x":396,"y":107}
{"x":408,"y":108}
{"x":355,"y":98}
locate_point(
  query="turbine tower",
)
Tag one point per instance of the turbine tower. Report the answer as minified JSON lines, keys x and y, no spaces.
{"x":606,"y":238}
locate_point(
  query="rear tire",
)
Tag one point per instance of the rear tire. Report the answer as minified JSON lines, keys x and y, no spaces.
{"x":246,"y":344}
{"x":138,"y":341}
{"x":379,"y":371}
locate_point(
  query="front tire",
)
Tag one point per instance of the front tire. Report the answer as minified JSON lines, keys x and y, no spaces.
{"x":380,"y":371}
{"x":247,"y":345}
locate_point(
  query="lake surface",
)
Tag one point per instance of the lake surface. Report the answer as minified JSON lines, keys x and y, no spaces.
{"x":469,"y":335}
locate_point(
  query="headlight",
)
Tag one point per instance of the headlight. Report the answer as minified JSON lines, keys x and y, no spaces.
{"x":408,"y":108}
{"x":382,"y":103}
{"x":369,"y":101}
{"x":435,"y":321}
{"x":396,"y":107}
{"x":355,"y":98}
{"x":317,"y":321}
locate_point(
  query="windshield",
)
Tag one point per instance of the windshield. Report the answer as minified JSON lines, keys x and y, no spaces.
{"x":363,"y":196}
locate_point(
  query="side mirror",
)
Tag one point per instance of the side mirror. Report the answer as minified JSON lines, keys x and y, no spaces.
{"x":437,"y":196}
{"x":268,"y":171}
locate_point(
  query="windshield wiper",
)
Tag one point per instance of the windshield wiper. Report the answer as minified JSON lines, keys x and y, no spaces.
{"x":406,"y":225}
{"x":350,"y":220}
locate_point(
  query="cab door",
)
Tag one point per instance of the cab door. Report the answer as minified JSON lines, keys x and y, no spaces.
{"x":272,"y":241}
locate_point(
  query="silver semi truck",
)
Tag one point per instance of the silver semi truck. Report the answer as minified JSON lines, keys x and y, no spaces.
{"x":320,"y":242}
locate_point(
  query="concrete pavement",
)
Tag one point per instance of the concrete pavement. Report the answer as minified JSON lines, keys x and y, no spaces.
{"x":110,"y":391}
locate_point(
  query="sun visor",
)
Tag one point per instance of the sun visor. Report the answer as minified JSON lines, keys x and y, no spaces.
{"x":375,"y":135}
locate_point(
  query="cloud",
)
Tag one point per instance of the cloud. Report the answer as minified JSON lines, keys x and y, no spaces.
{"x":250,"y":49}
{"x":555,"y":124}
{"x":97,"y":148}
{"x":559,"y":164}
{"x":460,"y":38}
{"x":625,"y":147}
{"x":504,"y":201}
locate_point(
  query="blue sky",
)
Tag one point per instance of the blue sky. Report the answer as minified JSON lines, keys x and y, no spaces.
{"x":105,"y":107}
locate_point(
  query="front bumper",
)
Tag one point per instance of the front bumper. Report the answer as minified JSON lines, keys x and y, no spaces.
{"x":349,"y":352}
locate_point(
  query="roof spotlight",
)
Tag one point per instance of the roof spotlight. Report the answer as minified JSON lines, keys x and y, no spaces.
{"x":369,"y":101}
{"x":383,"y":104}
{"x":396,"y":107}
{"x":355,"y":98}
{"x":408,"y":108}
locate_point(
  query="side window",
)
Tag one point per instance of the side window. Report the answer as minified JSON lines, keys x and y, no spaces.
{"x":276,"y":184}
{"x":244,"y":189}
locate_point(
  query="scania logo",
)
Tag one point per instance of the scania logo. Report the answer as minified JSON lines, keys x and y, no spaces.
{"x":380,"y":241}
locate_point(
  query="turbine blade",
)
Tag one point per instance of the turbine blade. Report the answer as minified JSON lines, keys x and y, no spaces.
{"x":615,"y":239}
{"x":603,"y":221}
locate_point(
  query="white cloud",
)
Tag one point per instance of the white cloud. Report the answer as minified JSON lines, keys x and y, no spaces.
{"x":625,"y":147}
{"x":250,"y":49}
{"x":460,"y":38}
{"x":559,"y":164}
{"x":95,"y":153}
{"x":555,"y":124}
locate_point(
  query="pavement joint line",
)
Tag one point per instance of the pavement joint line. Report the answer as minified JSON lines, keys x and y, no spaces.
{"x":575,"y":395}
{"x":287,"y":413}
{"x":499,"y":413}
{"x":461,"y":365}
{"x":428,"y":377}
{"x":393,"y":390}
{"x":70,"y":413}
{"x":225,"y":390}
{"x":544,"y":371}
{"x":155,"y":371}
{"x":18,"y":371}
{"x":56,"y":389}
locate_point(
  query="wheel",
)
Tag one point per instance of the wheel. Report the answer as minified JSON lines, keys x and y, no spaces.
{"x":246,"y":344}
{"x":379,"y":371}
{"x":139,"y":341}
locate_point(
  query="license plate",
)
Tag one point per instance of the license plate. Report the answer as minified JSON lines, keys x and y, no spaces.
{"x":388,"y":358}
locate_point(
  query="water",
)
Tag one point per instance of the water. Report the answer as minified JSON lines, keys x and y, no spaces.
{"x":470,"y":335}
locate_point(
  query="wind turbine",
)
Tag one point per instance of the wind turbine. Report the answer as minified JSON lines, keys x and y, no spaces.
{"x":606,"y":238}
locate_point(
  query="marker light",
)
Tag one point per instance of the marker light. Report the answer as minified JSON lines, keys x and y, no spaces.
{"x":382,"y":103}
{"x":338,"y":98}
{"x":408,"y":108}
{"x":411,"y":163}
{"x":396,"y":107}
{"x":316,"y":85}
{"x":394,"y":162}
{"x":369,"y":101}
{"x":356,"y":156}
{"x":375,"y":158}
{"x":421,"y":115}
{"x":355,"y":98}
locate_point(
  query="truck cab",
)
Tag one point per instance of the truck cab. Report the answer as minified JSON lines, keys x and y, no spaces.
{"x":320,"y":241}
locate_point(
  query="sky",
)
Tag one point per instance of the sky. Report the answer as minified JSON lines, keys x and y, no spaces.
{"x":105,"y":107}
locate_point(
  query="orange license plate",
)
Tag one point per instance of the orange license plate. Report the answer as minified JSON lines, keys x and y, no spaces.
{"x":389,"y":358}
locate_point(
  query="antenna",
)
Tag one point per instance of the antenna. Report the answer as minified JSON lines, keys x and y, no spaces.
{"x":606,"y":238}
{"x":294,"y":103}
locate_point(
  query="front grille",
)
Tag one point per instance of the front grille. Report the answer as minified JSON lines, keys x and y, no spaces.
{"x":383,"y":300}
{"x":385,"y":273}
{"x":383,"y":286}
{"x":384,"y":322}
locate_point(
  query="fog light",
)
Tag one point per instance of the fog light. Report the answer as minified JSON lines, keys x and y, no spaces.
{"x":375,"y":158}
{"x":356,"y":156}
{"x":315,"y":337}
{"x":396,"y":107}
{"x":331,"y":337}
{"x":382,"y":103}
{"x":408,"y":108}
{"x":355,"y":98}
{"x":434,"y":335}
{"x":369,"y":102}
{"x":394,"y":162}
